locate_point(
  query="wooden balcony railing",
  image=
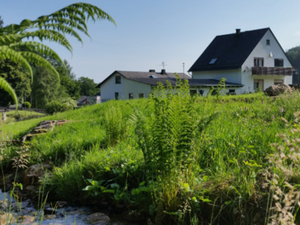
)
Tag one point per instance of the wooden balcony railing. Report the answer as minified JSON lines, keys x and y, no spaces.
{"x":288,"y":71}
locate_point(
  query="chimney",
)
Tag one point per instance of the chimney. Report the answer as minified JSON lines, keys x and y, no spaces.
{"x":237,"y":32}
{"x":163,"y":72}
{"x":151,"y":71}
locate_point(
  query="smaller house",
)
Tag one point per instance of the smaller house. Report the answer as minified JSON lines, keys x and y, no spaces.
{"x":132,"y":84}
{"x":88,"y":100}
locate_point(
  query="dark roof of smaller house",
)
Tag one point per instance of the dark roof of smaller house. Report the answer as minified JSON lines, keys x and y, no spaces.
{"x":228,"y":51}
{"x":131,"y":75}
{"x":192,"y":82}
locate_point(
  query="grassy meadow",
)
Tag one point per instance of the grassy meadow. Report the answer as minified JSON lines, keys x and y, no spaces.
{"x":174,"y":158}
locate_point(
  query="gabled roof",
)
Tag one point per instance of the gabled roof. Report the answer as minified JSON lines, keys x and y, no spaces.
{"x":131,"y":75}
{"x":228,"y":51}
{"x":192,"y":82}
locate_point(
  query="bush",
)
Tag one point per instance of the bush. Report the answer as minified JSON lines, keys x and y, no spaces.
{"x":26,"y":105}
{"x":70,"y":102}
{"x":55,"y":107}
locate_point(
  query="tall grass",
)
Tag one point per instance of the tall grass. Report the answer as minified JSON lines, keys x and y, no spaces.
{"x":178,"y":159}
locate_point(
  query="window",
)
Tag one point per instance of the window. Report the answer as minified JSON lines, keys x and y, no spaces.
{"x":278,"y":81}
{"x":258,"y":62}
{"x":278,"y":62}
{"x":141,"y":95}
{"x":118,"y":79}
{"x":213,"y":61}
{"x":201,"y":92}
{"x":268,"y":42}
{"x":193,"y":92}
{"x":130,"y":96}
{"x":117,"y":95}
{"x":231,"y":92}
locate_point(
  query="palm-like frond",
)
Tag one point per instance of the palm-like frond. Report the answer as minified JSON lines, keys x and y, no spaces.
{"x":52,"y":27}
{"x":36,"y":47}
{"x":8,"y":53}
{"x":6,"y":87}
{"x":39,"y":60}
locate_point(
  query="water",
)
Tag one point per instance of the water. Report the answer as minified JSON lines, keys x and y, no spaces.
{"x":63,"y":216}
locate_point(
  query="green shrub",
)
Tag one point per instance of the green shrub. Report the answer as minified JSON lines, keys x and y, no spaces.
{"x":55,"y":107}
{"x":26,"y":105}
{"x":69,"y":101}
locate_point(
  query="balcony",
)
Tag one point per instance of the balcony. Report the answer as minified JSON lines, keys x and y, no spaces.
{"x":272,"y":71}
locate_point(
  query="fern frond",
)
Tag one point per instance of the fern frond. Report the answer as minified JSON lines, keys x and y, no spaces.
{"x":38,"y":48}
{"x":50,"y":35}
{"x":6,"y":87}
{"x":67,"y":30}
{"x":7,"y":53}
{"x":39,"y":60}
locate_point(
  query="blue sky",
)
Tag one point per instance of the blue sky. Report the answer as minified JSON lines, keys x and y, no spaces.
{"x":150,"y":32}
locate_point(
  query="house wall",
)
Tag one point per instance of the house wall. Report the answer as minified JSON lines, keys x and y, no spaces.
{"x":207,"y":90}
{"x":262,"y":50}
{"x":233,"y":76}
{"x":109,"y":87}
{"x":136,"y":88}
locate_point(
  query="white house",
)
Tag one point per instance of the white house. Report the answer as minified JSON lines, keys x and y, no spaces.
{"x":133,"y":84}
{"x":251,"y":58}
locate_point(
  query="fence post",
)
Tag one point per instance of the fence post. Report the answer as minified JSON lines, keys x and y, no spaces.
{"x":4,"y":116}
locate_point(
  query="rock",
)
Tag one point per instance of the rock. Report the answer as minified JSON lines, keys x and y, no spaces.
{"x":7,"y":218}
{"x":278,"y":89}
{"x":32,"y":174}
{"x":97,"y":217}
{"x":27,"y":220}
{"x":61,"y":204}
{"x":50,"y":211}
{"x":50,"y":217}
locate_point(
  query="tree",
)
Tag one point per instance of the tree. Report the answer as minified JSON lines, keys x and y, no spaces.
{"x":294,"y":56}
{"x":51,"y":27}
{"x":18,"y":80}
{"x":45,"y":87}
{"x":88,"y":86}
{"x":68,"y":79}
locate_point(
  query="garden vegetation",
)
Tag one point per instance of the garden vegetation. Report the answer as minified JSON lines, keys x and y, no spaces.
{"x":175,"y":158}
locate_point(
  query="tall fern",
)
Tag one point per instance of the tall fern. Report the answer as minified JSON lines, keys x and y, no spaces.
{"x":170,"y":142}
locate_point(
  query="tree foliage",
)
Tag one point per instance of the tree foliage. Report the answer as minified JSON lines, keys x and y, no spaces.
{"x":294,"y":56}
{"x":19,"y":80}
{"x":17,"y":45}
{"x":87,"y":86}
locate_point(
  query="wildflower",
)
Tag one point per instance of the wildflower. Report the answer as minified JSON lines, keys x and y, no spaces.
{"x":262,"y":102}
{"x":273,"y":117}
{"x":268,"y":109}
{"x":241,"y":109}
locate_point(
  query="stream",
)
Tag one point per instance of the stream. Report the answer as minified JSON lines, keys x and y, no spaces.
{"x":28,"y":213}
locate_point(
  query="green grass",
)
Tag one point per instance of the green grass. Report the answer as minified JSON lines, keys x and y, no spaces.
{"x":134,"y":153}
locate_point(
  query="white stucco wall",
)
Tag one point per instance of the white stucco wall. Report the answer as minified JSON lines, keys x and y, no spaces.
{"x":207,"y":90}
{"x":136,"y":88}
{"x":109,"y":87}
{"x":262,"y":50}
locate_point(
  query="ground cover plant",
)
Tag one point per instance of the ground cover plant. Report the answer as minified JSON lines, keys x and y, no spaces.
{"x":178,"y":159}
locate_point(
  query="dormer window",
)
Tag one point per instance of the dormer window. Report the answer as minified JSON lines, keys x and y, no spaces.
{"x":268,"y":42}
{"x":213,"y":61}
{"x":118,"y":79}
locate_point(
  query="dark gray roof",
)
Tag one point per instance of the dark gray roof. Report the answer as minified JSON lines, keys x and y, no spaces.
{"x":230,"y":50}
{"x":192,"y":82}
{"x":146,"y":75}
